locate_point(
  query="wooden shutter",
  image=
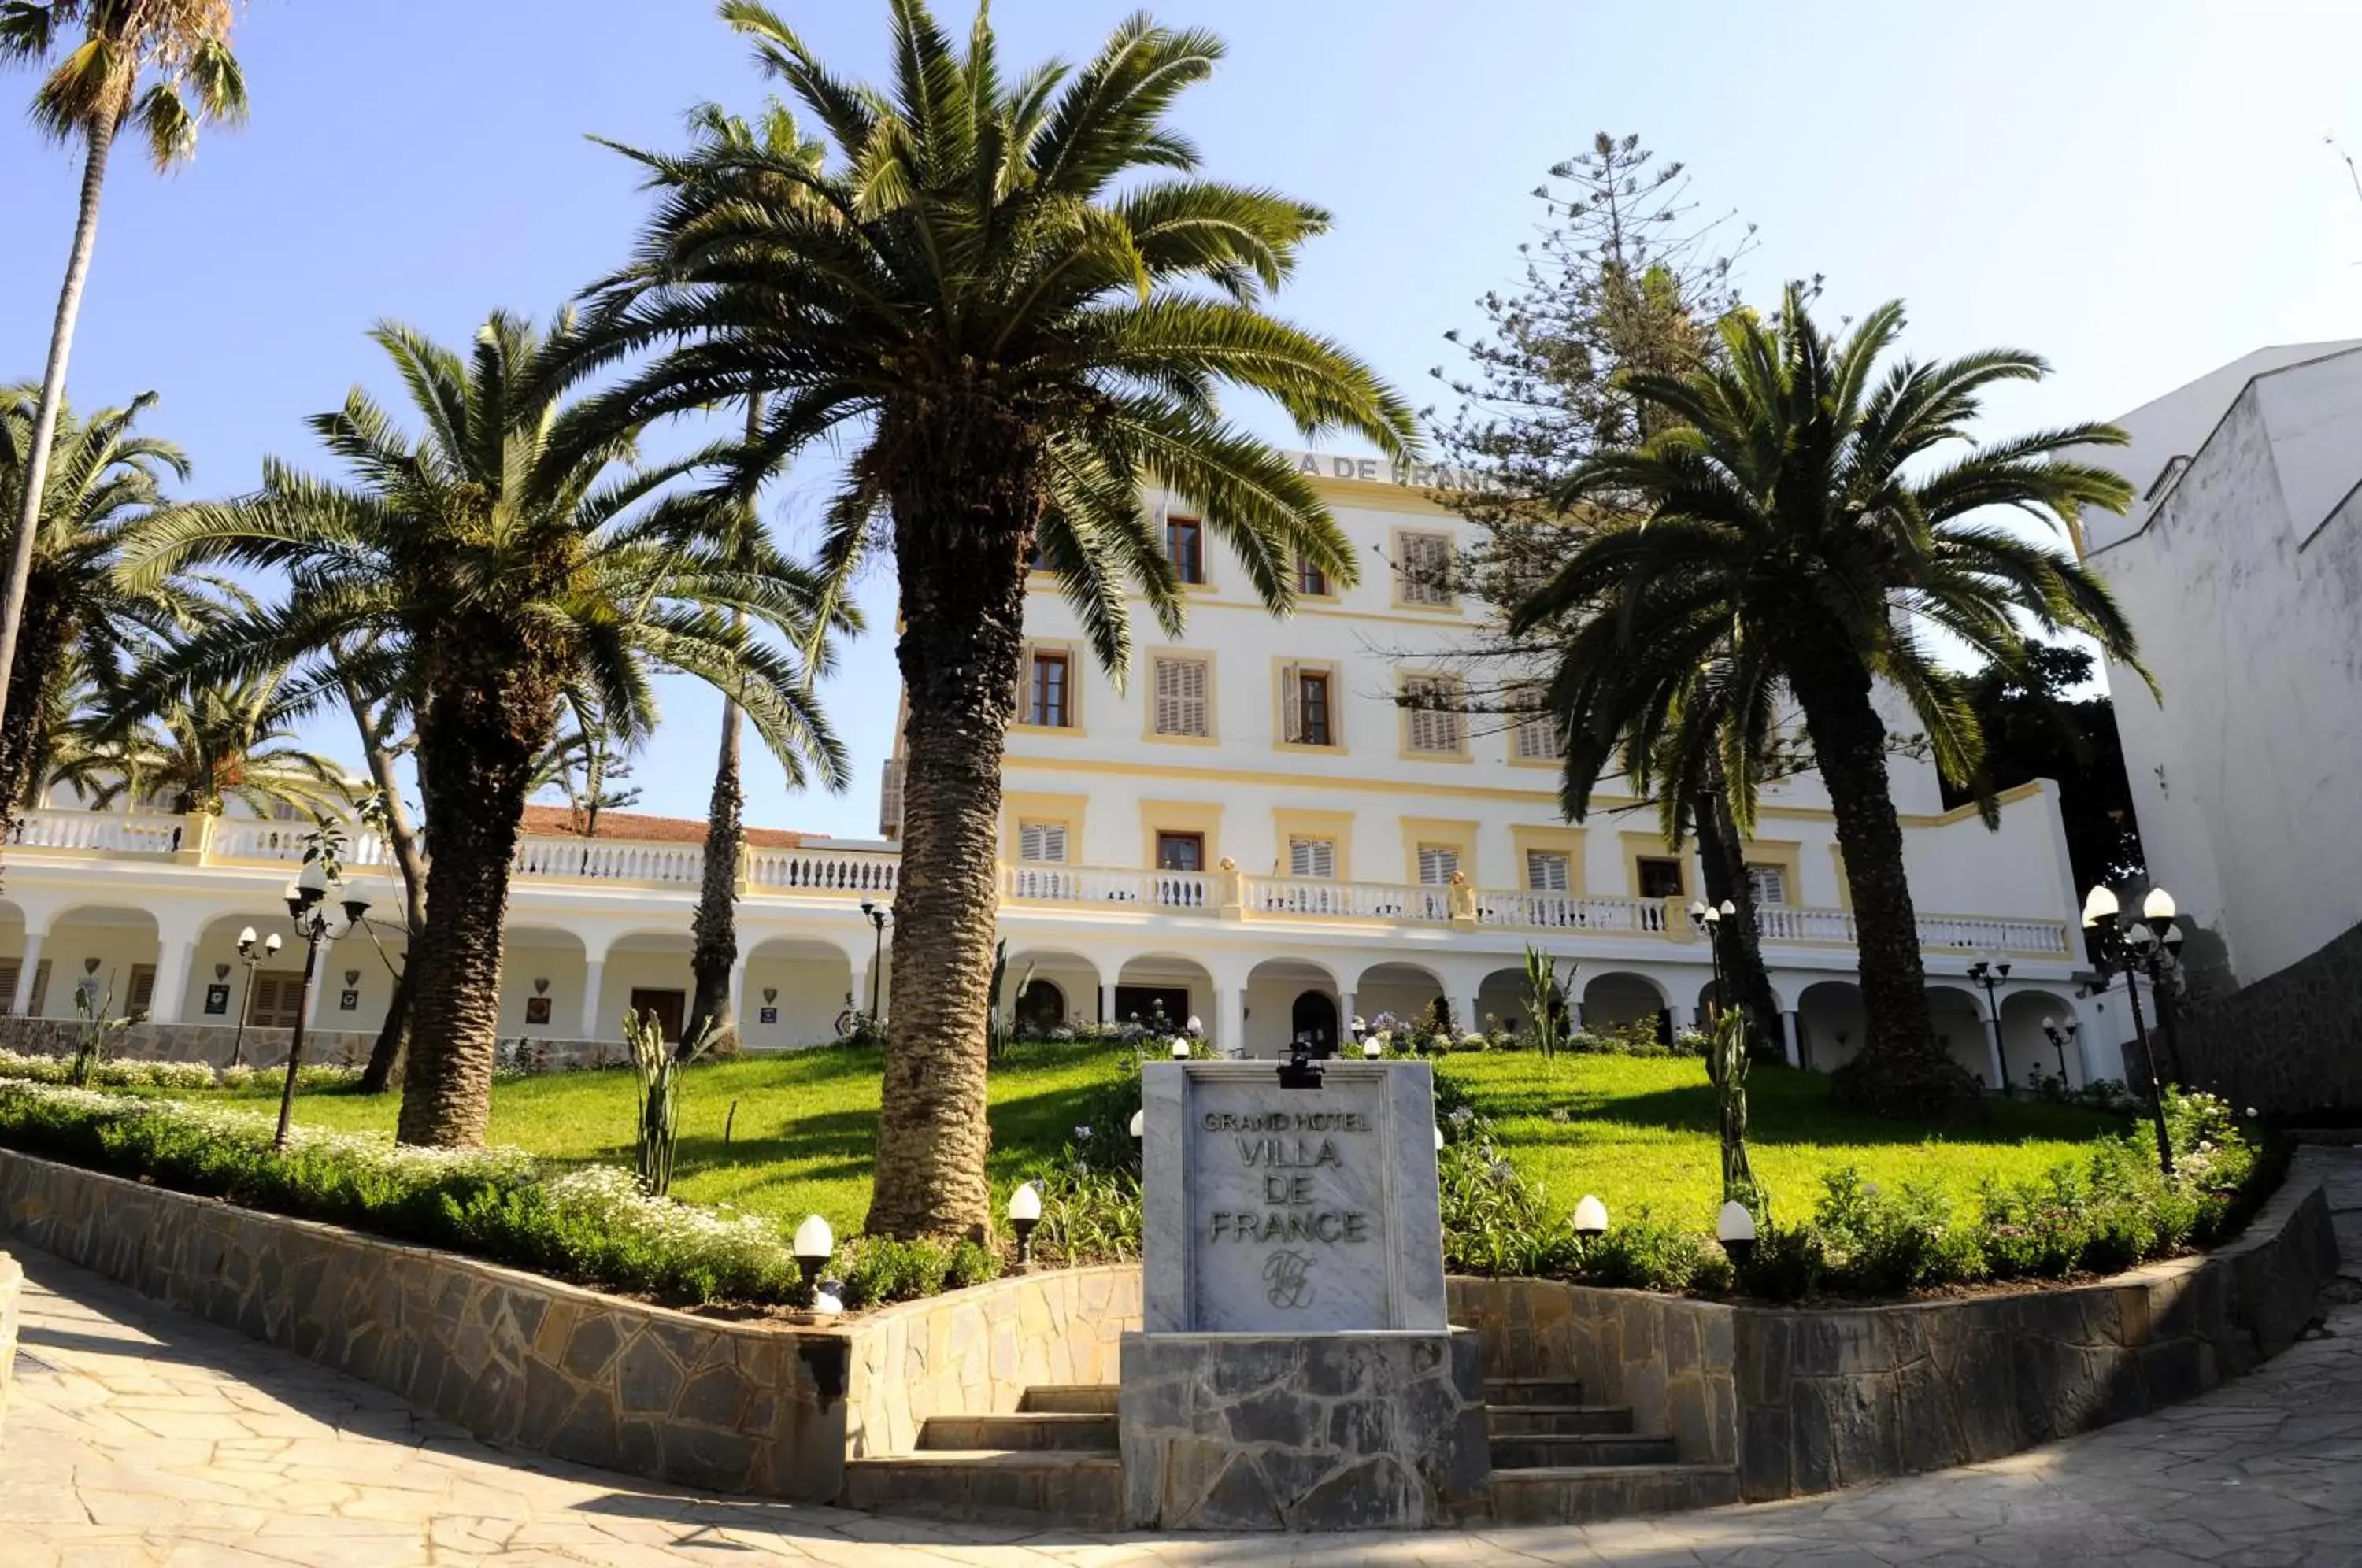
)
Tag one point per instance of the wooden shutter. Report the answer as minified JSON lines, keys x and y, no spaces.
{"x":278,"y":999}
{"x":1044,"y":842}
{"x":1436,"y":724}
{"x":1181,"y":705}
{"x":1769,"y":883}
{"x":1425,"y":567}
{"x":1315,"y":858}
{"x":1437,"y":862}
{"x":143,"y":991}
{"x":1546,"y":871}
{"x":11,"y":970}
{"x":1291,"y":699}
{"x":1540,"y":738}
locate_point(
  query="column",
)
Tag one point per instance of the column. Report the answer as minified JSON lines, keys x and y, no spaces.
{"x":594,"y":972}
{"x":860,"y":1002}
{"x":1230,"y":1020}
{"x":1677,"y":1017}
{"x":738,"y":993}
{"x":1345,"y":1043}
{"x":324,"y":976}
{"x":22,"y":1002}
{"x":173,"y":959}
{"x":1788,"y":1039}
{"x":1107,"y":1001}
{"x":1472,"y":1017}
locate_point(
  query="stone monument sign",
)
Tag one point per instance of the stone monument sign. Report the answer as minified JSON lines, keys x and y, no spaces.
{"x":1290,"y":1210}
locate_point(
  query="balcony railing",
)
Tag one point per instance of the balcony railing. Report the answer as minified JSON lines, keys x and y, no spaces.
{"x":802,"y":872}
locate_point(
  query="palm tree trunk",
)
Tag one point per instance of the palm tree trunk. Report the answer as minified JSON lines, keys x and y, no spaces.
{"x":403,"y":839}
{"x":476,"y":744}
{"x":713,"y":930}
{"x":1900,"y":1071}
{"x":1722,"y":854}
{"x":961,"y":562}
{"x":101,"y":133}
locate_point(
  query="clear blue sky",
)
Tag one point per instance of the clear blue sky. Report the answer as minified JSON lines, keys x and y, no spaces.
{"x":2136,"y":190}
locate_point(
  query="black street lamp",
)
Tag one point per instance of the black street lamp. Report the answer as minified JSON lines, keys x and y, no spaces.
{"x":253,"y":954}
{"x":1706,"y":921}
{"x":1990,"y":974}
{"x":2148,"y":944}
{"x":307,"y":909}
{"x":2062,"y":1034}
{"x":880,"y":917}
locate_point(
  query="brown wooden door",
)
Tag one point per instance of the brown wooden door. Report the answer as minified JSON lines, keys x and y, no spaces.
{"x":670,"y":1006}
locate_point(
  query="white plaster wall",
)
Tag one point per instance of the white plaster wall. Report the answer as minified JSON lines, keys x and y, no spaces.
{"x":2017,"y":869}
{"x":811,"y":993}
{"x":117,"y":947}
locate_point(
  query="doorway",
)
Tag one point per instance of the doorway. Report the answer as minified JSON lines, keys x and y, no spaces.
{"x":1314,"y":1019}
{"x":1151,"y":1004}
{"x":670,"y":1006}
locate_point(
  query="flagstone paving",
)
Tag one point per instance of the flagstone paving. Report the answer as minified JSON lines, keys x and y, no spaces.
{"x":137,"y":1437}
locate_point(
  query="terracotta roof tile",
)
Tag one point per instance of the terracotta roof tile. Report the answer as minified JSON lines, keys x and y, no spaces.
{"x":642,"y":828}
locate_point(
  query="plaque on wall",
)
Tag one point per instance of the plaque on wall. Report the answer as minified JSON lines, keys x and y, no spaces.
{"x":766,"y":1015}
{"x":347,"y":1001}
{"x":216,"y":999}
{"x":536,"y":1010}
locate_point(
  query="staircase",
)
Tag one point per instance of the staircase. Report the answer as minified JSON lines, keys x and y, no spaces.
{"x":1557,"y":1460}
{"x":1051,"y":1461}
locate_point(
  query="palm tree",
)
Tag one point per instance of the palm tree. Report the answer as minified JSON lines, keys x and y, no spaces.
{"x":713,"y":172}
{"x":1800,"y":527}
{"x":479,"y":570}
{"x":207,"y":746}
{"x":180,"y":49}
{"x":81,"y":622}
{"x":1008,"y":299}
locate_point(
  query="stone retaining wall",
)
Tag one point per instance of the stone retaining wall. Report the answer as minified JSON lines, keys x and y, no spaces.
{"x":2289,"y":1042}
{"x":12,"y":1286}
{"x":207,"y":1043}
{"x":973,"y":1352}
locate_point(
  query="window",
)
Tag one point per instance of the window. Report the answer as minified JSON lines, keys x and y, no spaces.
{"x":1546,"y":871}
{"x":1660,"y":876}
{"x":1312,"y":857}
{"x":1182,"y":707}
{"x":1044,"y":843}
{"x":142,"y":995}
{"x":1436,"y":723}
{"x":1426,"y":569}
{"x":1180,"y":852}
{"x":1769,"y":884}
{"x":277,"y":1001}
{"x":1308,"y":716}
{"x":1185,"y":545}
{"x":1436,"y":863}
{"x":1310,"y":580}
{"x":1539,"y":735}
{"x":1046,"y":702}
{"x":11,"y":970}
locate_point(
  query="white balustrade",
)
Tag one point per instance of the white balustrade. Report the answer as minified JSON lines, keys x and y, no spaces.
{"x":123,"y":833}
{"x":609,"y":860}
{"x":821,"y":871}
{"x":1321,"y":898}
{"x":1787,"y":922}
{"x":1982,"y":933}
{"x":1034,"y":883}
{"x":1570,"y":912}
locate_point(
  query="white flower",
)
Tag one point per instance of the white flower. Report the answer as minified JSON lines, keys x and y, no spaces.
{"x":2251,"y":1111}
{"x":1196,"y":1027}
{"x":1083,"y":1133}
{"x":1461,"y":1116}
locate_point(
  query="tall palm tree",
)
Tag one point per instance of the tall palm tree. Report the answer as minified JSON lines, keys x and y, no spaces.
{"x":206,"y":746}
{"x":1804,"y":520}
{"x":81,"y":622}
{"x":717,"y":170}
{"x":180,"y":48}
{"x":479,"y":570}
{"x":1008,"y":299}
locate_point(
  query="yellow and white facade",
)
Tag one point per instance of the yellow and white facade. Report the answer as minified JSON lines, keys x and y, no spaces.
{"x":1250,"y":829}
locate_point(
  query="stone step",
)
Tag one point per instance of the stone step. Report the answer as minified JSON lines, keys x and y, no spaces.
{"x":1549,"y":1451}
{"x":1068,"y":1398}
{"x":1515,"y":1420}
{"x":1532,"y":1391}
{"x":1071,"y":1430}
{"x":1590,"y":1493}
{"x":1036,"y":1486}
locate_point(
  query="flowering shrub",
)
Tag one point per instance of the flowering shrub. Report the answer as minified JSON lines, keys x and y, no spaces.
{"x":108,"y":1072}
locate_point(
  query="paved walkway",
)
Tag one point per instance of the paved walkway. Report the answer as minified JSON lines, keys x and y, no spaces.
{"x":139,"y":1436}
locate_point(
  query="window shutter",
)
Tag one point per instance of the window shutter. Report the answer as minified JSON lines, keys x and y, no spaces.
{"x":1312,"y":857}
{"x":1437,"y":862}
{"x":1769,"y":884}
{"x":1291,"y":697}
{"x":1546,"y":871}
{"x":11,"y":969}
{"x":143,"y":990}
{"x":1044,"y":842}
{"x":1436,"y":724}
{"x":1181,"y":697}
{"x":1540,"y":736}
{"x":1426,"y":565}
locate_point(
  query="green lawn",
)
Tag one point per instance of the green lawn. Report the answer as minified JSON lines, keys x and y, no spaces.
{"x":1640,"y":1130}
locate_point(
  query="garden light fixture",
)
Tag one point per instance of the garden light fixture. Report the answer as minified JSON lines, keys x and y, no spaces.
{"x":1180,"y":1048}
{"x":2150,"y":946}
{"x":815,"y":1243}
{"x":1024,"y":1213}
{"x":307,"y":910}
{"x":1734,"y":1228}
{"x":1590,"y":1218}
{"x":252,"y":956}
{"x":880,"y":917}
{"x":1439,"y":1140}
{"x":2061,"y":1034}
{"x":1372,"y":1049}
{"x":1139,"y":1125}
{"x":1990,"y":972}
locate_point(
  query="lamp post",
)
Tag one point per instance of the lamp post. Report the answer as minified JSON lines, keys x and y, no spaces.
{"x":880,"y":917}
{"x":1989,"y":973}
{"x":1024,"y":1213}
{"x":1590,"y":1218}
{"x":2061,"y":1035}
{"x":307,"y":910}
{"x":1734,"y":1228}
{"x":1706,"y":921}
{"x":253,"y":955}
{"x":2148,"y":944}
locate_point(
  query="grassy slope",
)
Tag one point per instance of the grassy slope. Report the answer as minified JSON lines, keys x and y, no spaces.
{"x":1643,"y":1130}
